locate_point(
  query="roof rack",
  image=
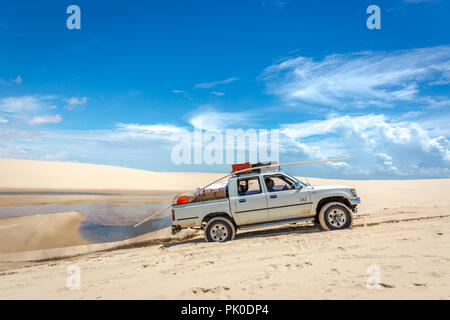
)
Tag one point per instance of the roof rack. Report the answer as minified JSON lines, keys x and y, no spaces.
{"x":269,"y":166}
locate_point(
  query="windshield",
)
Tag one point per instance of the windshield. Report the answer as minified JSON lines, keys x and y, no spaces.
{"x":295,"y":179}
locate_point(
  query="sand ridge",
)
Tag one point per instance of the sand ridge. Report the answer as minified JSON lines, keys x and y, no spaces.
{"x":31,"y":175}
{"x":409,"y":246}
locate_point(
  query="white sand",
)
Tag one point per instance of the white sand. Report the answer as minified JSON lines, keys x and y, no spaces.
{"x":403,"y":229}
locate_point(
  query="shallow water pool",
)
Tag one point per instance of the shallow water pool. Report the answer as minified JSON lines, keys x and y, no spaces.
{"x":106,"y":221}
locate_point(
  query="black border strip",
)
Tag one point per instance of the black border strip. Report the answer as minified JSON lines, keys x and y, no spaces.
{"x":186,"y":218}
{"x":251,"y":210}
{"x":224,"y":309}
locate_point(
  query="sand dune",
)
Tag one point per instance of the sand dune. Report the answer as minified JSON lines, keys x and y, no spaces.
{"x":379,"y":195}
{"x":69,"y":176}
{"x":402,"y":230}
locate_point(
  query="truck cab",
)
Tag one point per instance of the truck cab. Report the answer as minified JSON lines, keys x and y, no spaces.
{"x":268,"y":196}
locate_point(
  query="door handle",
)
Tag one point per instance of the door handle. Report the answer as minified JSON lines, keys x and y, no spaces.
{"x":242,"y":200}
{"x":273,"y":196}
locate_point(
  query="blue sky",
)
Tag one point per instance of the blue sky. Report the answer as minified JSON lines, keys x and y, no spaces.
{"x":139,"y":74}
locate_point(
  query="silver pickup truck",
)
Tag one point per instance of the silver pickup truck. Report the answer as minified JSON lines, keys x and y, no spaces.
{"x":255,"y":200}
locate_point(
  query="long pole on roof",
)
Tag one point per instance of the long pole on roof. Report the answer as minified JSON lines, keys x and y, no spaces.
{"x":272,"y":166}
{"x":242,"y":171}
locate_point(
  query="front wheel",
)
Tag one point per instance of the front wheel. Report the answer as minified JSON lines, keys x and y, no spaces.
{"x":219,"y":229}
{"x":335,"y":216}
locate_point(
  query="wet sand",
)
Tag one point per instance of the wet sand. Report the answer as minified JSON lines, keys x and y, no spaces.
{"x":41,"y":231}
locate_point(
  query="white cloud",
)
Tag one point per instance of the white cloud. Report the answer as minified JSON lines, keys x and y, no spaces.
{"x":323,"y":127}
{"x":207,"y":118}
{"x":73,"y":102}
{"x":3,"y":120}
{"x":21,"y":104}
{"x":156,"y":128}
{"x":162,"y":132}
{"x":377,"y":146}
{"x":59,"y":156}
{"x":45,"y":119}
{"x":435,"y":123}
{"x":207,"y":85}
{"x":12,"y":151}
{"x":131,"y":145}
{"x":27,"y":109}
{"x":359,"y":79}
{"x":216,"y":93}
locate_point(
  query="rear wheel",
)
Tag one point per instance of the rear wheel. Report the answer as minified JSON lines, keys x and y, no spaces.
{"x":335,"y":216}
{"x":219,"y":229}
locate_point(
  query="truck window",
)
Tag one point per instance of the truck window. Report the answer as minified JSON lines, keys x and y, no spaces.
{"x":248,"y":186}
{"x":278,"y":183}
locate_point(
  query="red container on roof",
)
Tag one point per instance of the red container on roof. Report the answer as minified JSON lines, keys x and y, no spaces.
{"x":241,"y":166}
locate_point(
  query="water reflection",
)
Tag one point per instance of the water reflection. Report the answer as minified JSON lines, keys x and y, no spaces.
{"x":106,"y":233}
{"x":105,"y":221}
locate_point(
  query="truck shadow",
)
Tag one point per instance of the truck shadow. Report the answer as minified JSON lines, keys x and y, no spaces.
{"x":272,"y":232}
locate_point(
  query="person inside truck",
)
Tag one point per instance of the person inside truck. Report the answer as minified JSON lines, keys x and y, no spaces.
{"x":248,"y":186}
{"x":278,"y":183}
{"x":242,"y":187}
{"x":270,"y":184}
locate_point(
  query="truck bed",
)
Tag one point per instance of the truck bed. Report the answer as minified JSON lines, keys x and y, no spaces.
{"x":191,"y":214}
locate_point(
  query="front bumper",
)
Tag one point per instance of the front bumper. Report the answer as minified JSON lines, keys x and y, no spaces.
{"x":354,"y":201}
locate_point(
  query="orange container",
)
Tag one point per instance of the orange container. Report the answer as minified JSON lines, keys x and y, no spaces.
{"x":241,"y":166}
{"x":184,"y":199}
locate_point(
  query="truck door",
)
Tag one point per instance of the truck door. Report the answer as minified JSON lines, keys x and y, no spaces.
{"x":250,"y":202}
{"x":284,"y":200}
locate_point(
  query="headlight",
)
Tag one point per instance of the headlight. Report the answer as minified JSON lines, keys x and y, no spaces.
{"x":353,"y":191}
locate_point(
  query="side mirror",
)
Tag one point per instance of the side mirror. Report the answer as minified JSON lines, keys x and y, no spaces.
{"x":297,"y":185}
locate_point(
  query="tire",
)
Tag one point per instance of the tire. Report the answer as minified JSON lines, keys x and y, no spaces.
{"x":335,"y":216}
{"x":219,"y":229}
